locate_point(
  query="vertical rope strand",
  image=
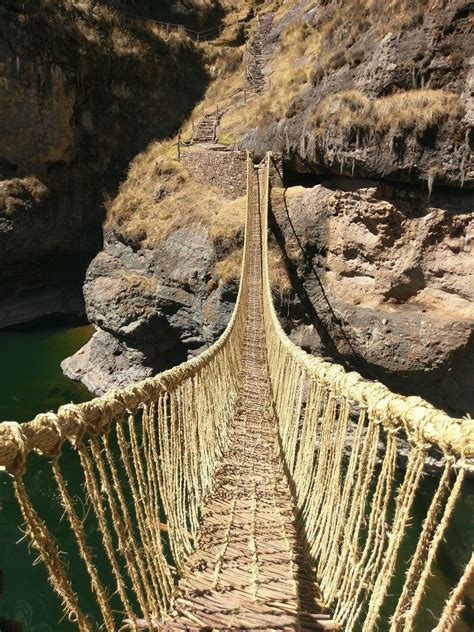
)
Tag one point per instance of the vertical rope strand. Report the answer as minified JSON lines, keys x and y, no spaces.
{"x":95,"y":496}
{"x":49,"y":554}
{"x":454,"y":605}
{"x":432,"y":550}
{"x":77,"y":527}
{"x":419,"y":557}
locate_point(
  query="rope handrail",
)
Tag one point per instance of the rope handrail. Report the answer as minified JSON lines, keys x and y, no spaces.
{"x":169,"y":437}
{"x":18,"y":441}
{"x":420,"y":420}
{"x":330,"y":424}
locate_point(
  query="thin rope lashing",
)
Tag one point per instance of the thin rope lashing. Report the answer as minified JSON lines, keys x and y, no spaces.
{"x":432,"y":550}
{"x":344,"y":505}
{"x":49,"y":554}
{"x":356,"y":581}
{"x":77,"y":527}
{"x":404,"y":501}
{"x":377,"y":535}
{"x":419,"y":557}
{"x":454,"y":606}
{"x":95,"y":496}
{"x":124,"y":539}
{"x":153,"y":592}
{"x":331,"y":506}
{"x":350,"y":554}
{"x":151,"y":545}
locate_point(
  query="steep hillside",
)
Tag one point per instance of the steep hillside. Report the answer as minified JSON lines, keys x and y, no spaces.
{"x":369,"y":88}
{"x":370,"y":105}
{"x":82,"y":90}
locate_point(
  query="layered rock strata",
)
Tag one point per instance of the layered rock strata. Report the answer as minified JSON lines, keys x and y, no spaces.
{"x":82,"y":90}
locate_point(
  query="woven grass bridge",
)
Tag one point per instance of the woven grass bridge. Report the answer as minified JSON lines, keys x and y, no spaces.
{"x":253,"y":487}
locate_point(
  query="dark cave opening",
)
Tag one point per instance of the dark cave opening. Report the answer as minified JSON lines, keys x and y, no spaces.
{"x":293,"y":178}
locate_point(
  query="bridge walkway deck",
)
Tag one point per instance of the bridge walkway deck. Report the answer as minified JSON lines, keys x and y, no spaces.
{"x":249,"y":570}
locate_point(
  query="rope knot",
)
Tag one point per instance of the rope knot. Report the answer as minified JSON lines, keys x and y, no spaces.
{"x":52,"y":436}
{"x":13,"y":450}
{"x":72,"y":422}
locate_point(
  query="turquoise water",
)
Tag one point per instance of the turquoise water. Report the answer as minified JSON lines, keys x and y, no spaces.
{"x":31,"y":378}
{"x":31,"y":381}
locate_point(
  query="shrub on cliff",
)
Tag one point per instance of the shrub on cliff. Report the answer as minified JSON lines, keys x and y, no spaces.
{"x":412,"y":111}
{"x":21,"y":194}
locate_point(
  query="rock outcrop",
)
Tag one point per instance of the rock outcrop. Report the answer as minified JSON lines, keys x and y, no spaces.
{"x":156,"y":304}
{"x":384,"y":281}
{"x":152,"y":308}
{"x":82,"y":90}
{"x":381,"y":269}
{"x":381,"y":91}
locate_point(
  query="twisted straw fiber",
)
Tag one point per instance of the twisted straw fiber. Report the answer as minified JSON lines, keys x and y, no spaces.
{"x":173,"y":433}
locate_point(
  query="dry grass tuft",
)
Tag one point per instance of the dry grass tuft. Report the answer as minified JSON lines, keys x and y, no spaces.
{"x":307,"y":52}
{"x":21,"y":194}
{"x":228,"y":221}
{"x":403,"y":112}
{"x":228,"y":270}
{"x":159,"y":196}
{"x":279,"y":278}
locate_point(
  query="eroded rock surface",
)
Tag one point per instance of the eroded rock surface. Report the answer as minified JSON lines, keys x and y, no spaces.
{"x":337,"y":123}
{"x":152,"y":308}
{"x":384,"y":278}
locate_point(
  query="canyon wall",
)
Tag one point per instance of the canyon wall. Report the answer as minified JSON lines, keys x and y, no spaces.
{"x":371,"y":108}
{"x":82,"y":91}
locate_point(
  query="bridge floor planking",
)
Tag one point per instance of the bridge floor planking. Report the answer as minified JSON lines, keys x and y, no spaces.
{"x":249,"y":569}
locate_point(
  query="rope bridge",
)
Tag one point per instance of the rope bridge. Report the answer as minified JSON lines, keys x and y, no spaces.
{"x":252,"y":487}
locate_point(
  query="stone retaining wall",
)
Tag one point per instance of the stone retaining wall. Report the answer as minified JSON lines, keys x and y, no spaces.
{"x":226,"y":170}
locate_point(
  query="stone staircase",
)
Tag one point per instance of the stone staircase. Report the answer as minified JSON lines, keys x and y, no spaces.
{"x":206,"y":130}
{"x":256,"y":60}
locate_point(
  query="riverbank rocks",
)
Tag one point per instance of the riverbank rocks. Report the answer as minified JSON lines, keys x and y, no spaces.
{"x":152,"y":308}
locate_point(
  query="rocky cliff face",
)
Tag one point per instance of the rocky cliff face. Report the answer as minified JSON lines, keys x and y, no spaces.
{"x":151,"y":308}
{"x":384,"y":280}
{"x":82,"y":90}
{"x":377,"y":89}
{"x":381,"y":268}
{"x":371,"y":258}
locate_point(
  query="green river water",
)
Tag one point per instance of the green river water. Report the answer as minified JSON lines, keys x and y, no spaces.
{"x":31,"y":381}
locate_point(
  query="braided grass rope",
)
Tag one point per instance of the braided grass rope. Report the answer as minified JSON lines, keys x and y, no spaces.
{"x":454,"y":605}
{"x":149,"y":454}
{"x":340,"y":446}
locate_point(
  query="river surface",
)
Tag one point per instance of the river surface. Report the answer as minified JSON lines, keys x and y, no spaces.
{"x":31,"y":381}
